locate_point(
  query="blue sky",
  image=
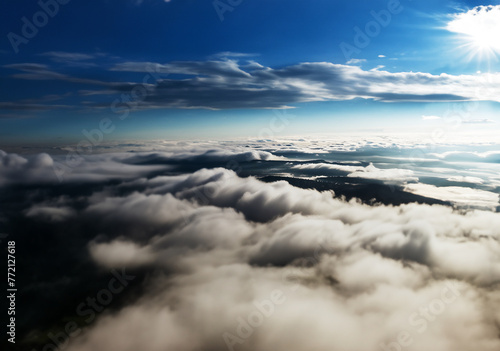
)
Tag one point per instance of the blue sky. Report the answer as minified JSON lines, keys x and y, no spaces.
{"x":208,"y":69}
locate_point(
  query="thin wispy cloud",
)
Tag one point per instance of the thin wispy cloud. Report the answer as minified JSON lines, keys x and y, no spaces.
{"x":257,"y":86}
{"x":35,"y":71}
{"x":264,"y":87}
{"x":478,"y":121}
{"x":355,"y":61}
{"x":229,"y":54}
{"x":60,"y":56}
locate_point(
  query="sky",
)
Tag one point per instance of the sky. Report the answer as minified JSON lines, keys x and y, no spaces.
{"x":185,"y":69}
{"x":251,"y":175}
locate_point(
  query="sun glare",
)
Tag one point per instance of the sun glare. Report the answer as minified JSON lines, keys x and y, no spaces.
{"x":478,"y":30}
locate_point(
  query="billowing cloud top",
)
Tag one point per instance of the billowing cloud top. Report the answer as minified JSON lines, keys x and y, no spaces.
{"x":225,"y":260}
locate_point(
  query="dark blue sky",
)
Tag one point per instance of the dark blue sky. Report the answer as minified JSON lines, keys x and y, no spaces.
{"x":211,"y":69}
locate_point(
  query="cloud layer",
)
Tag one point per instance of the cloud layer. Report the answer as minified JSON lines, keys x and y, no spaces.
{"x":256,"y":86}
{"x":339,"y":268}
{"x":230,"y":262}
{"x":229,"y":84}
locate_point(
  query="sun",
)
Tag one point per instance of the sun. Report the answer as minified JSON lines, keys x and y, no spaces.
{"x":478,"y":30}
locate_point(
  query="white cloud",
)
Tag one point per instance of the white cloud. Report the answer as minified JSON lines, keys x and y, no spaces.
{"x":429,"y":118}
{"x":344,"y":269}
{"x":465,"y":179}
{"x":478,"y":121}
{"x":393,"y":175}
{"x":469,"y":155}
{"x":120,"y":253}
{"x":252,"y":85}
{"x":355,"y":61}
{"x":459,"y":195}
{"x":51,"y":213}
{"x":61,"y":56}
{"x":329,"y":166}
{"x":74,"y":167}
{"x":226,"y":54}
{"x":43,"y":168}
{"x":213,"y":244}
{"x":305,"y":82}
